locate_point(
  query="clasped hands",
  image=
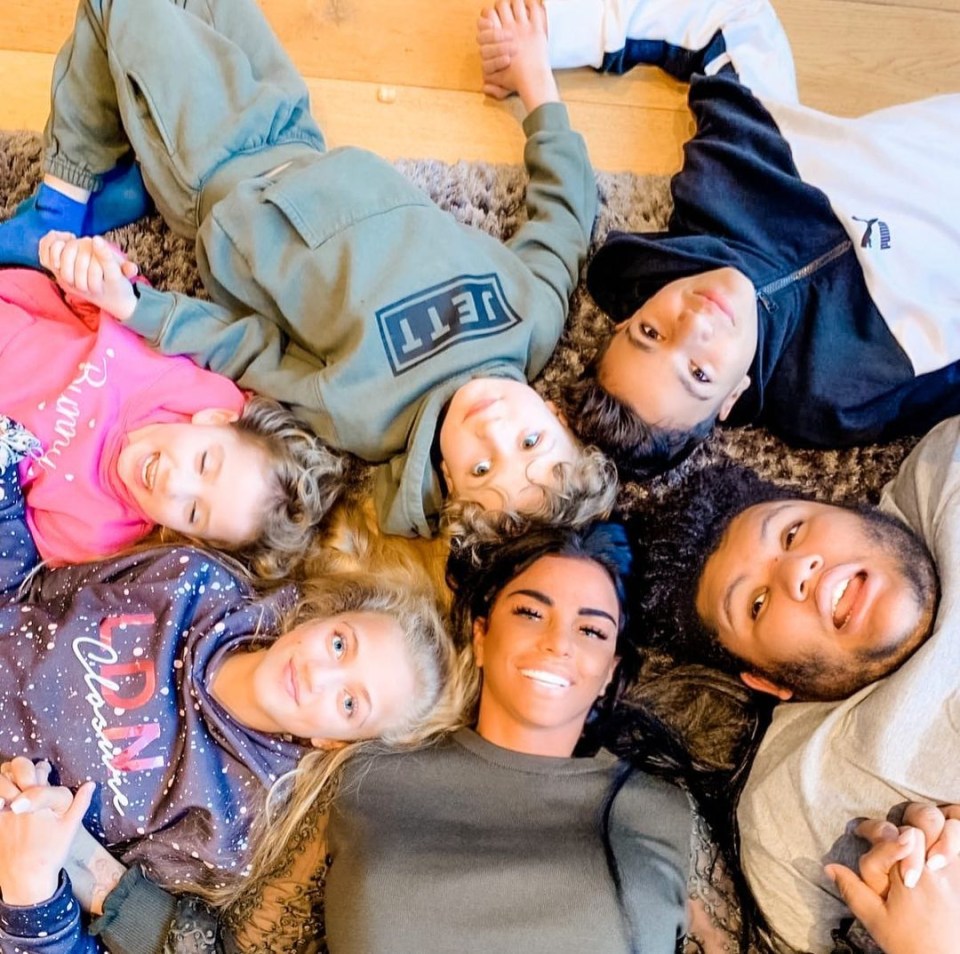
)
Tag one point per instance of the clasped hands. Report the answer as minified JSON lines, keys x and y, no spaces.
{"x":38,"y":823}
{"x":907,"y":894}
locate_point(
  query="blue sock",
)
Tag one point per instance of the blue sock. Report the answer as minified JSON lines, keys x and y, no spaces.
{"x":46,"y":209}
{"x":121,"y":199}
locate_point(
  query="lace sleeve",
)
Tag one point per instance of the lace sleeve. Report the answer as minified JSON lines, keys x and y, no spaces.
{"x":713,"y":907}
{"x":194,"y":929}
{"x":286,"y":914}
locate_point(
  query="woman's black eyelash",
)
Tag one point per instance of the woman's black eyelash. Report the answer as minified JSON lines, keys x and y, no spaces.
{"x":526,"y":611}
{"x":593,"y":631}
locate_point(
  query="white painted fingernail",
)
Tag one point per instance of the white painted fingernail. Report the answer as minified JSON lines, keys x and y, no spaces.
{"x":20,"y":805}
{"x":911,"y":878}
{"x":937,"y":862}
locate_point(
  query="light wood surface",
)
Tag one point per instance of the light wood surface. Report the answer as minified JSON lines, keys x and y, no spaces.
{"x":402,"y":77}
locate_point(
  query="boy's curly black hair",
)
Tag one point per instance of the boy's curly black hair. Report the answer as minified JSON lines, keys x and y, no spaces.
{"x":673,"y":543}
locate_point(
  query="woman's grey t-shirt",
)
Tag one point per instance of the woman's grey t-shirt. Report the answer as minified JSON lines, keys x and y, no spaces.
{"x":466,"y":846}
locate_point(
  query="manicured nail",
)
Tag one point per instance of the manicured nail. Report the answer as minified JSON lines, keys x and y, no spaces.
{"x":911,"y":878}
{"x":20,"y":805}
{"x":937,"y":862}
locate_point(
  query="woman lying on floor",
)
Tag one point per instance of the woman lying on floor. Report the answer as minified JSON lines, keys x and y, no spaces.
{"x":497,"y":837}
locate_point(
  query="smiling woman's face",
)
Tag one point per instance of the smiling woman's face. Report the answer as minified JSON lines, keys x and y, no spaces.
{"x":547,"y":651}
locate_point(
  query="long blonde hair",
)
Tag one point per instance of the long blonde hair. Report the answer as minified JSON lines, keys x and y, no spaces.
{"x":436,"y":707}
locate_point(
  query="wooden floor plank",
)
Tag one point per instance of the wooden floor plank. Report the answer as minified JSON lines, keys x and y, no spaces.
{"x":852,"y":56}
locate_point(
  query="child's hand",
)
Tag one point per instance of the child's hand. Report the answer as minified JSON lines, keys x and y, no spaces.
{"x":512,"y":37}
{"x":37,"y":826}
{"x":91,"y":269}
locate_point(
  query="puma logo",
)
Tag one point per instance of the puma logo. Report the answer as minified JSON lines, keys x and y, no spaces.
{"x":866,"y":240}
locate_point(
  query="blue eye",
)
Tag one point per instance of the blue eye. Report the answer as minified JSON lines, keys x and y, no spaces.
{"x":339,"y":646}
{"x":481,"y":469}
{"x":531,"y":440}
{"x":349,"y":705}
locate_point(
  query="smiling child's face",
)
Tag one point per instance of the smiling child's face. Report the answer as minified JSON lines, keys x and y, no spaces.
{"x":202,"y":478}
{"x":683,"y":356}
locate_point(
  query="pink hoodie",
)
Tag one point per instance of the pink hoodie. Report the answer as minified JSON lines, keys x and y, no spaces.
{"x":81,"y":382}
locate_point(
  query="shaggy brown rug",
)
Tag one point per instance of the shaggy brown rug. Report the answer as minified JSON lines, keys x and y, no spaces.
{"x":491,"y":198}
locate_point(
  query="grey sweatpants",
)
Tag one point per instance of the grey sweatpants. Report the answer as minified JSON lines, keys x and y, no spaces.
{"x":186,"y":85}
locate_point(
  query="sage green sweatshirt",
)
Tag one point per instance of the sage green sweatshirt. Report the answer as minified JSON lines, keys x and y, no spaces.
{"x":344,"y":291}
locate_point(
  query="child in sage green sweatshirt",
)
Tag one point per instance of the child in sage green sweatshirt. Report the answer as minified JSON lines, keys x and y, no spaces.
{"x":337,"y":286}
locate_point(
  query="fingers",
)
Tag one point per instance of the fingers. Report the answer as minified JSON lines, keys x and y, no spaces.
{"x":864,"y":903}
{"x":496,"y":55}
{"x":51,"y":249}
{"x":947,"y":847}
{"x":18,"y":776}
{"x":928,"y":818}
{"x":55,"y":798}
{"x":940,"y":827}
{"x":489,"y":20}
{"x":84,"y":264}
{"x":497,"y":45}
{"x":537,"y":15}
{"x":24,"y":773}
{"x":25,"y":787}
{"x":111,"y":269}
{"x":500,"y":21}
{"x":8,"y":790}
{"x":889,"y":846}
{"x":876,"y":830}
{"x":497,"y":92}
{"x":80,"y":803}
{"x":505,"y":12}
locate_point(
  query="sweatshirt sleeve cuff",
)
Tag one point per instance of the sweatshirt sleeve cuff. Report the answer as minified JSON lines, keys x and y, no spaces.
{"x":136,"y":915}
{"x":550,"y":117}
{"x":575,"y":35}
{"x":150,"y":315}
{"x":50,"y":917}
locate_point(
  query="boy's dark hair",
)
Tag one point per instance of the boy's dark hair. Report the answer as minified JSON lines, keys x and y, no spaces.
{"x":641,"y":450}
{"x":674,"y":540}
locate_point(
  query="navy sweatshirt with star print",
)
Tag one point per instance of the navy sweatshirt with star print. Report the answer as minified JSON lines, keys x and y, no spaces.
{"x":103,"y":671}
